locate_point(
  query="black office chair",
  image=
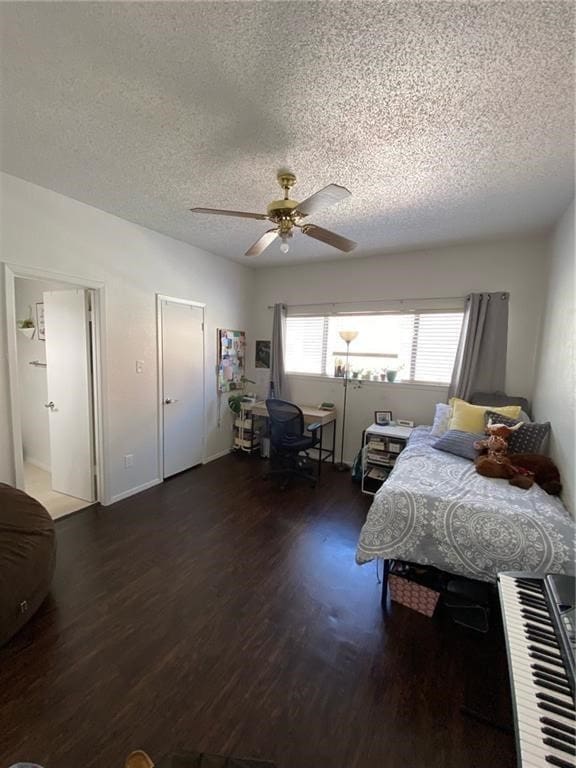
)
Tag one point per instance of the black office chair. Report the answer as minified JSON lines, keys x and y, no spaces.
{"x":289,"y":442}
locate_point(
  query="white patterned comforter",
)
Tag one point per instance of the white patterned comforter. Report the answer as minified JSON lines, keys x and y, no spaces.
{"x":435,"y":509}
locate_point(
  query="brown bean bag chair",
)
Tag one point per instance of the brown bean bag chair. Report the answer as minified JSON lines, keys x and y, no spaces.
{"x":27,"y":558}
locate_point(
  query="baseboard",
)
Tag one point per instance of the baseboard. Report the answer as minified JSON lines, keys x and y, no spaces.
{"x":36,"y":463}
{"x":133,"y":491}
{"x":216,"y":456}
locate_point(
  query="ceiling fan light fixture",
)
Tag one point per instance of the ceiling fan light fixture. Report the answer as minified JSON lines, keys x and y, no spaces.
{"x":284,"y":245}
{"x":286,"y":214}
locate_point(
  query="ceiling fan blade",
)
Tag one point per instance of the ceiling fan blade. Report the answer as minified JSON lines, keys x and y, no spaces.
{"x":263,"y":243}
{"x":241,"y":214}
{"x":330,"y":195}
{"x":337,"y":241}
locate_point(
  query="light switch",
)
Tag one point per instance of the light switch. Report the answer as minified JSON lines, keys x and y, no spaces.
{"x":139,"y":366}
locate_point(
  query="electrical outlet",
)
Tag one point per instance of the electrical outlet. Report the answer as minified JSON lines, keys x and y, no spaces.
{"x":128,"y":460}
{"x":139,"y":366}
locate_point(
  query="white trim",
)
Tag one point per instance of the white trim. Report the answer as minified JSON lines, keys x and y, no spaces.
{"x":11,"y":272}
{"x":160,"y":297}
{"x":218,"y":455}
{"x":134,"y":491}
{"x":174,"y":300}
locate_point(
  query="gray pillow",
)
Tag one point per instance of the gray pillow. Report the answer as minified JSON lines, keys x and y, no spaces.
{"x":459,"y":443}
{"x":530,"y":438}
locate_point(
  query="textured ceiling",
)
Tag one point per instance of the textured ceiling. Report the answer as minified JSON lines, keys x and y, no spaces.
{"x":447,"y":121}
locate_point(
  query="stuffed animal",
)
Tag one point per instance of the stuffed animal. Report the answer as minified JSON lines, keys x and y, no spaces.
{"x":495,"y":462}
{"x":495,"y":446}
{"x":543,"y":469}
{"x":520,"y":469}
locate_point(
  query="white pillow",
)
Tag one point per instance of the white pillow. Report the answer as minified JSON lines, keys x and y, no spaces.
{"x":441,"y":419}
{"x":524,"y":417}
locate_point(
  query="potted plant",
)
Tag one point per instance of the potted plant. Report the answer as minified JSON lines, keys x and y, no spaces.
{"x":356,"y":373}
{"x":391,"y":373}
{"x":235,"y":398}
{"x":383,"y":374}
{"x":26,"y":327}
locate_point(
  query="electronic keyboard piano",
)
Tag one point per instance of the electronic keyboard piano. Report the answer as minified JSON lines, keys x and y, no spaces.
{"x":539,"y":619}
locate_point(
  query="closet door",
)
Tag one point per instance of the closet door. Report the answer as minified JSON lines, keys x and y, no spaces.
{"x":182,"y":337}
{"x":69,"y":393}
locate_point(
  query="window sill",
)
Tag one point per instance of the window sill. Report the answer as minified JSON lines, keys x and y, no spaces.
{"x":367,"y":383}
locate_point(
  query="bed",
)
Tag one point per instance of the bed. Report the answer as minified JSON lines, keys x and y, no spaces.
{"x":434,"y":509}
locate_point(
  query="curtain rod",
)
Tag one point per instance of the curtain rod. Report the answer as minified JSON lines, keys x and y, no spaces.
{"x":371,"y":301}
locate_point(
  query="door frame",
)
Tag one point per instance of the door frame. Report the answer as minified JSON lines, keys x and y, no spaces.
{"x":160,"y":297}
{"x":96,"y":289}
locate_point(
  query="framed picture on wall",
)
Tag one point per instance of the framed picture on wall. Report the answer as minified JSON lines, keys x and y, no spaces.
{"x":40,"y":325}
{"x":262,"y":354}
{"x":382,"y":418}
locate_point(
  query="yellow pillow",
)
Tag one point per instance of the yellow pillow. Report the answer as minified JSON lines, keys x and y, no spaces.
{"x":470,"y":418}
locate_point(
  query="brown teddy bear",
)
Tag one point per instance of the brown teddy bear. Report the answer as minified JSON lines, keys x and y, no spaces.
{"x":520,"y":469}
{"x":545,"y":472}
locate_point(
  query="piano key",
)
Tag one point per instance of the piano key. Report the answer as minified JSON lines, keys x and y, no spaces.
{"x":551,"y":679}
{"x":560,"y":676}
{"x":530,"y":585}
{"x":556,"y":711}
{"x":538,"y":602}
{"x":545,"y":652}
{"x":558,"y":700}
{"x":541,"y":657}
{"x":531,"y":644}
{"x":541,"y":640}
{"x":536,"y":618}
{"x":560,"y":746}
{"x":533,"y":744}
{"x":552,"y":687}
{"x":525,"y":595}
{"x":538,"y":674}
{"x":531,"y":588}
{"x":559,"y":762}
{"x":560,"y":735}
{"x":531,"y":635}
{"x":540,"y":630}
{"x":558,"y":725}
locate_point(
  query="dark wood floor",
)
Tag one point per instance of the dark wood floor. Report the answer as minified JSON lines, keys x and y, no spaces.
{"x":217,"y":613}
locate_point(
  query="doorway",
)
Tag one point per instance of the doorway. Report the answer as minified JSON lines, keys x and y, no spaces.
{"x":181,"y":384}
{"x":52,"y":374}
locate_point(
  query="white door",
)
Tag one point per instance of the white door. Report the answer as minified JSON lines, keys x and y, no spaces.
{"x":182,"y":385}
{"x":69,"y":393}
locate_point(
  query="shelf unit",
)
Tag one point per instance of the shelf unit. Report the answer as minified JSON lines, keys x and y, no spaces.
{"x":381,"y":447}
{"x":246,"y":435}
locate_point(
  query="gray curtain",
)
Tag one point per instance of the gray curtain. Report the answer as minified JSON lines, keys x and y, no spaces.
{"x":480,"y":364}
{"x":278,"y":379}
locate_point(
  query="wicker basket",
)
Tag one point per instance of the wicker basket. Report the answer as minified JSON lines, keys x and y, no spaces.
{"x":412,"y":595}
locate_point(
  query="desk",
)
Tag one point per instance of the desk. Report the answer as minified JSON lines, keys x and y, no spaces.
{"x":311,"y":416}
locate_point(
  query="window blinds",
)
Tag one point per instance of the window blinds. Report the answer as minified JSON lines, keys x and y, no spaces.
{"x":420,"y":344}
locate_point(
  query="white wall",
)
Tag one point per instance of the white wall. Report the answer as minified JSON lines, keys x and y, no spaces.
{"x":555,"y":390}
{"x":33,"y":385}
{"x":39,"y":228}
{"x":517,"y":266}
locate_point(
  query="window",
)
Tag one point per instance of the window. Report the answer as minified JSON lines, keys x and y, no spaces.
{"x":420,"y":345}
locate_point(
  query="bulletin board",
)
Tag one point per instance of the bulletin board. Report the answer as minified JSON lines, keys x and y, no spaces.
{"x":231,"y":359}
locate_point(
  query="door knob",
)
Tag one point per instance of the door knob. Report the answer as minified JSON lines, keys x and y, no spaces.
{"x":49,"y":405}
{"x":170,"y":400}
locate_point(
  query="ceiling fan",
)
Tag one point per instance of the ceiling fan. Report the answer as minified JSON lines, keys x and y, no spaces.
{"x":287,"y":214}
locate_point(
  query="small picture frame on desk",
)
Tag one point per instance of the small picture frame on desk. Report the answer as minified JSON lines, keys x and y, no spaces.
{"x":382,"y":418}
